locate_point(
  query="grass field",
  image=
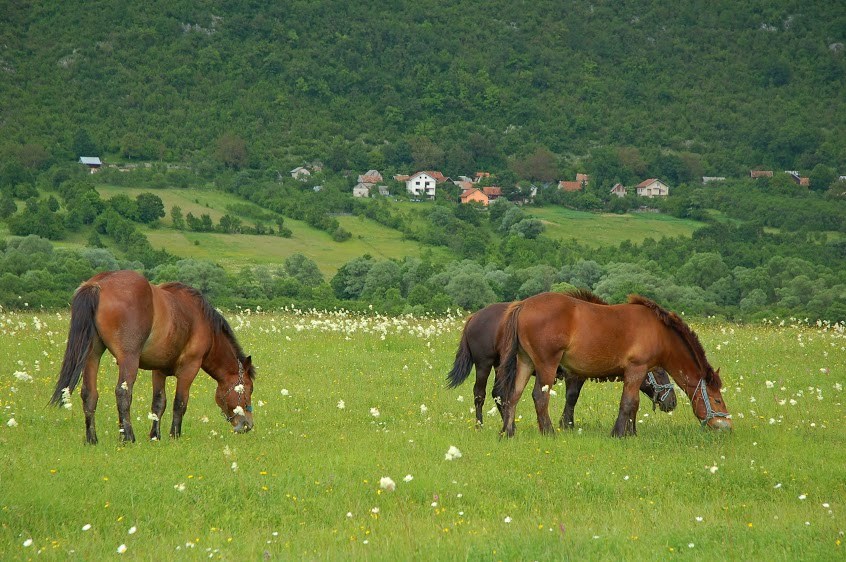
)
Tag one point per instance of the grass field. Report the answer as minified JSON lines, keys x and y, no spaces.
{"x":234,"y":251}
{"x":610,"y":229}
{"x":305,"y":484}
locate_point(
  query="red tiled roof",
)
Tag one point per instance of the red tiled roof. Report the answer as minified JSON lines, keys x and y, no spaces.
{"x":570,"y":185}
{"x":644,"y":183}
{"x":492,"y":191}
{"x":761,"y":173}
{"x":439,"y":177}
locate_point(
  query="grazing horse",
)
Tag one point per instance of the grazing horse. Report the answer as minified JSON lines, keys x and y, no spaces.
{"x":477,"y":348}
{"x":602,"y":341}
{"x":170,"y":329}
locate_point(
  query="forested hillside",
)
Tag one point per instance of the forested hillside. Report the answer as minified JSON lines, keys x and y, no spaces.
{"x":711,"y":87}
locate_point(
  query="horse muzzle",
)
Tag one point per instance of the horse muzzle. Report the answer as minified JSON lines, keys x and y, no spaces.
{"x":243,"y":425}
{"x":720,"y":424}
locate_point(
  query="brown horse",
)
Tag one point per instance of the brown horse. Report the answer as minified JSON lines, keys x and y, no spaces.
{"x":477,"y":348}
{"x":170,"y":329}
{"x":600,"y":341}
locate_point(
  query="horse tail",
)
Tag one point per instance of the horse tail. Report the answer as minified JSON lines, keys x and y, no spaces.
{"x":463,"y":360}
{"x":80,"y":336}
{"x":509,"y":343}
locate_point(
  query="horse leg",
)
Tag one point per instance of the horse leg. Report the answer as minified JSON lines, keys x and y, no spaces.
{"x":524,"y":371}
{"x":544,"y":379}
{"x":483,"y":372}
{"x":180,"y":398}
{"x":159,"y":404}
{"x":88,"y":392}
{"x":128,"y":372}
{"x":573,"y":388}
{"x":629,"y":403}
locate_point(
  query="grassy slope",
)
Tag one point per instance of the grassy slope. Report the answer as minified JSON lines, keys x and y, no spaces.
{"x":610,"y":229}
{"x":777,"y":492}
{"x":234,"y":251}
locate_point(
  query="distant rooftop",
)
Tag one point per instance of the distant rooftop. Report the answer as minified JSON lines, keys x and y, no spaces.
{"x":90,"y":160}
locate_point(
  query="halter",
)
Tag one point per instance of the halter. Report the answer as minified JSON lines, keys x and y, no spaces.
{"x":650,"y":378}
{"x":709,"y":411}
{"x":247,"y":407}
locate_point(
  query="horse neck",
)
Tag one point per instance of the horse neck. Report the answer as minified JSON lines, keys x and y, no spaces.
{"x":221,"y":355}
{"x":683,"y":367}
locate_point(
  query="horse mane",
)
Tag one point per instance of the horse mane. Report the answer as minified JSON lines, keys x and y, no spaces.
{"x":674,"y":322}
{"x":587,"y":296}
{"x":215,"y":319}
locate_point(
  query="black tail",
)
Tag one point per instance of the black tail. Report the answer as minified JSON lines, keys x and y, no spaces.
{"x":80,"y":335}
{"x":509,"y":343}
{"x":463,"y":360}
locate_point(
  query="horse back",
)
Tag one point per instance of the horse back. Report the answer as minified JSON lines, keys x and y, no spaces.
{"x":481,"y":333}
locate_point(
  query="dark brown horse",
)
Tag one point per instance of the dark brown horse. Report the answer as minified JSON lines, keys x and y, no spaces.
{"x":170,"y":329}
{"x":478,"y":349}
{"x":599,"y":341}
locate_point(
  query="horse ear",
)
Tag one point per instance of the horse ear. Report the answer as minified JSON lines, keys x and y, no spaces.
{"x":248,"y":360}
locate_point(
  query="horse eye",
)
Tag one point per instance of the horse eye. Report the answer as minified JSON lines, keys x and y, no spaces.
{"x":718,"y":401}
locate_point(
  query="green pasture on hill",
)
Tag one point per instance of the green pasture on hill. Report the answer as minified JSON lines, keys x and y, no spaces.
{"x":343,"y":402}
{"x":609,"y":229}
{"x":234,"y":251}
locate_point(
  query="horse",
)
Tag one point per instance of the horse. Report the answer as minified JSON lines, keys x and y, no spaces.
{"x":601,"y":341}
{"x":477,"y":348}
{"x":170,"y":329}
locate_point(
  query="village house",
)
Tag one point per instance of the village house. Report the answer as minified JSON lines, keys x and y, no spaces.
{"x":652,"y":188}
{"x":493,"y":192}
{"x":580,"y":183}
{"x":619,"y":190}
{"x":761,"y":173}
{"x":475,"y":195}
{"x":421,"y":184}
{"x":300,"y":173}
{"x":93,"y":162}
{"x":362,"y":189}
{"x":800,"y":180}
{"x":709,"y":179}
{"x":372,"y":177}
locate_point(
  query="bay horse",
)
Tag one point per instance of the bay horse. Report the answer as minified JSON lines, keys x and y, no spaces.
{"x":591,"y":340}
{"x":170,"y":329}
{"x":477,"y":348}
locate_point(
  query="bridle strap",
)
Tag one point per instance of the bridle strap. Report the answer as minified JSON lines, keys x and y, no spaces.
{"x":709,"y":411}
{"x":247,"y":408}
{"x":666,"y":388}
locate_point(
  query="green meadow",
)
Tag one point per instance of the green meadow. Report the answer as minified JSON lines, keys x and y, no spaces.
{"x":606,"y":229}
{"x":235,"y":251}
{"x":344,"y":401}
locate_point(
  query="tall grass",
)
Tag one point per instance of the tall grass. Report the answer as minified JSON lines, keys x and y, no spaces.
{"x":305,"y":484}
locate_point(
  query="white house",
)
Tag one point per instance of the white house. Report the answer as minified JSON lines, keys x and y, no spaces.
{"x":300,"y":173}
{"x":421,"y":184}
{"x":652,"y":188}
{"x":619,"y":190}
{"x":362,"y":190}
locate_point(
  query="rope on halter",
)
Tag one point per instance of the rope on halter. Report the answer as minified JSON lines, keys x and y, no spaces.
{"x":240,"y":383}
{"x":666,"y":388}
{"x":709,"y":411}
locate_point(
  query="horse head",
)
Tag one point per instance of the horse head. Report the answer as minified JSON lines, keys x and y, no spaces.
{"x":234,"y":396}
{"x":659,"y":388}
{"x":708,"y":403}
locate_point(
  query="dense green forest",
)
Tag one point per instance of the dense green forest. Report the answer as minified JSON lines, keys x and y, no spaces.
{"x":689,"y":88}
{"x":230,"y":97}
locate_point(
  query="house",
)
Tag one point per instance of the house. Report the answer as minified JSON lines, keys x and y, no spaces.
{"x":93,"y":163}
{"x":300,"y":173}
{"x":464,"y":178}
{"x":761,"y":173}
{"x":463,"y":184}
{"x":569,"y":185}
{"x":618,"y":190}
{"x":439,"y":177}
{"x":421,"y":184}
{"x":401,"y":178}
{"x":475,"y":195}
{"x":482,"y":175}
{"x":800,"y":180}
{"x":709,"y":179}
{"x":492,"y":192}
{"x":383,"y":191}
{"x":362,"y":189}
{"x":652,"y":188}
{"x":583,"y":179}
{"x":372,"y":177}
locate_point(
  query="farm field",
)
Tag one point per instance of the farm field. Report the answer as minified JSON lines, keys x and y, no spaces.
{"x":234,"y":251}
{"x":610,"y":229}
{"x":342,"y":401}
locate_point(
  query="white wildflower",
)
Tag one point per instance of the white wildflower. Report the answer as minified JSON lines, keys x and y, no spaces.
{"x":545,"y":388}
{"x":453,"y":453}
{"x":285,"y":392}
{"x":22,"y":376}
{"x":408,"y":478}
{"x":12,"y":422}
{"x":770,"y":384}
{"x":86,"y":527}
{"x":121,"y":549}
{"x":239,"y":388}
{"x":387,"y":483}
{"x":152,"y":417}
{"x":423,"y":408}
{"x":507,"y":519}
{"x":27,"y":542}
{"x":460,"y":398}
{"x":179,"y":487}
{"x":714,"y":469}
{"x":234,"y":466}
{"x":132,"y":530}
{"x":802,"y":496}
{"x":341,"y":405}
{"x":374,"y":412}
